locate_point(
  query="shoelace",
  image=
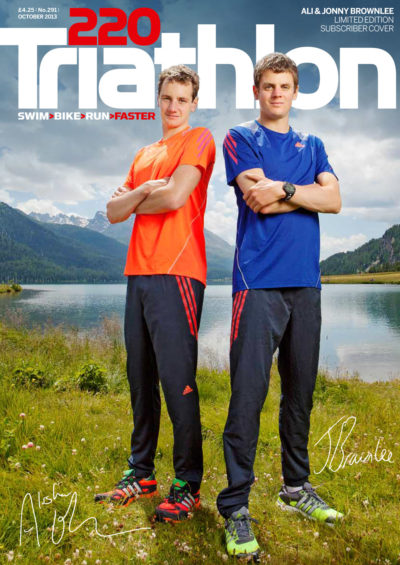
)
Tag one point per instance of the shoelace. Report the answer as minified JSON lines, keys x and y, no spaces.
{"x":176,"y":494}
{"x":311,"y":492}
{"x":125,"y":479}
{"x":243,"y":527}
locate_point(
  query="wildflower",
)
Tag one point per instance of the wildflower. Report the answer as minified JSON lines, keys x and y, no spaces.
{"x":316,"y":534}
{"x":10,"y":555}
{"x":325,"y":544}
{"x":22,"y":415}
{"x":38,"y":448}
{"x":74,"y":452}
{"x":348,"y":549}
{"x":41,"y":427}
{"x":83,"y":440}
{"x":30,"y":444}
{"x":24,"y":447}
{"x":17,"y":465}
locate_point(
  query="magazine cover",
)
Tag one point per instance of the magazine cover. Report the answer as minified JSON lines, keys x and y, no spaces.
{"x":83,"y":117}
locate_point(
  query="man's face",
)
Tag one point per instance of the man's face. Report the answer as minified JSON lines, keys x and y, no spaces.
{"x":275,"y":93}
{"x":176,"y":104}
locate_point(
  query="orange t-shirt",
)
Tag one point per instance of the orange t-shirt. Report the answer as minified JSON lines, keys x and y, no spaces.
{"x":172,"y":243}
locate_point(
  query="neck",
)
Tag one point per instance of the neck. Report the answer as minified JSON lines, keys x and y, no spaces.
{"x":280,"y":125}
{"x":169,"y":132}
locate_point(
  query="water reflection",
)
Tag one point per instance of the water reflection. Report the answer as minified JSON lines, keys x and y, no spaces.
{"x":360,"y":331}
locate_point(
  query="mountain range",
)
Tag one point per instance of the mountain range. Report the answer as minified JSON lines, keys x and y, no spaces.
{"x":39,"y":248}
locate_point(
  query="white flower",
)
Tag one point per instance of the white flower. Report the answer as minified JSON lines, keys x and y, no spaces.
{"x":83,"y":440}
{"x":74,"y":452}
{"x":38,"y":447}
{"x":22,"y":415}
{"x":41,"y":427}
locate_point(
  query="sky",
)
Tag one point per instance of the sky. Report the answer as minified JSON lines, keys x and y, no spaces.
{"x":74,"y":166}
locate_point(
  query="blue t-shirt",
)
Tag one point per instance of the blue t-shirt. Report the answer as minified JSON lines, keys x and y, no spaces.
{"x":275,"y":250}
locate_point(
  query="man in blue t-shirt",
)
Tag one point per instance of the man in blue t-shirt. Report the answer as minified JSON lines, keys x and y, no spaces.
{"x":282,"y":179}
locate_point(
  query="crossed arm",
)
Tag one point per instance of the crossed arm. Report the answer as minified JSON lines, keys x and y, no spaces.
{"x":265,"y":195}
{"x":154,"y":196}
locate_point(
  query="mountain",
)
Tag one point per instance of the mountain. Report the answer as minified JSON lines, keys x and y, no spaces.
{"x":31,"y":251}
{"x":58,"y":249}
{"x":377,"y":255}
{"x":219,"y":252}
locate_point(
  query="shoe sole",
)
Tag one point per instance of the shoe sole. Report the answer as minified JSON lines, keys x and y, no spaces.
{"x":255,"y":556}
{"x":288,"y":508}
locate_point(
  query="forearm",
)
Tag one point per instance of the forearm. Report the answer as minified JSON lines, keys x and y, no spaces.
{"x":280,"y":207}
{"x":120,"y":208}
{"x":318,"y":198}
{"x":159,"y":201}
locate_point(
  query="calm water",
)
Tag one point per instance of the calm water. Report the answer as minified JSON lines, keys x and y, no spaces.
{"x":360,"y":330}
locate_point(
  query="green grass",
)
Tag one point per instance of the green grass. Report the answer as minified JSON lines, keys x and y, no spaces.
{"x":84,"y":442}
{"x":363,"y":278}
{"x":10,"y":288}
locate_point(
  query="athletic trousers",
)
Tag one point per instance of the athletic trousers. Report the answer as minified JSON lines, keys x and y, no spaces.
{"x":162,"y":319}
{"x":262,"y":321}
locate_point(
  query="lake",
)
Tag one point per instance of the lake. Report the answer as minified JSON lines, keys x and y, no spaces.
{"x":360,"y":329}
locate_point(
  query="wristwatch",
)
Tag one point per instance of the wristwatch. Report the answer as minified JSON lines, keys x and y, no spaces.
{"x":289,"y":189}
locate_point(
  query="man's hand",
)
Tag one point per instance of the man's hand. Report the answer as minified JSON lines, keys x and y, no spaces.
{"x":264,"y":193}
{"x":146,"y":188}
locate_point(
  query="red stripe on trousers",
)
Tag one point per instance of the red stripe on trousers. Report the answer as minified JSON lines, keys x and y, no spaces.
{"x":240,"y":313}
{"x":191,"y":308}
{"x":234,"y":310}
{"x":192,"y":293}
{"x":185,"y":305}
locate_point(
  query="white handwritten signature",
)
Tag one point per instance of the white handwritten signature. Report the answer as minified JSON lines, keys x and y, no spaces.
{"x":351,"y":458}
{"x":60,"y":519}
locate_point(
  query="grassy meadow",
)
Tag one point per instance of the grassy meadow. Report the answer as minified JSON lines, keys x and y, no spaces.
{"x":363,"y":278}
{"x":79,"y":442}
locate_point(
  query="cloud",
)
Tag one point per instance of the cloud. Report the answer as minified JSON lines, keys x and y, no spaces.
{"x":5,"y":196}
{"x":39,"y":206}
{"x":220,"y":217}
{"x":331,"y":245}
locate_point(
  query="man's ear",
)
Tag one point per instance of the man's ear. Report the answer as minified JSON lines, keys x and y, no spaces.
{"x":255,"y":92}
{"x":194,"y":104}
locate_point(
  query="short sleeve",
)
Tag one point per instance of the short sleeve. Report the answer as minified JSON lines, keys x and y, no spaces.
{"x":199,"y":149}
{"x":239,"y":155}
{"x":323,"y":165}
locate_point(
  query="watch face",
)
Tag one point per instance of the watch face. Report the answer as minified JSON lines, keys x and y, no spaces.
{"x":290,"y":189}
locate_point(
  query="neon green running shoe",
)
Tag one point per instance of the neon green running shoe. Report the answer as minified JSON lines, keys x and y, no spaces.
{"x":307,"y":502}
{"x":240,"y":540}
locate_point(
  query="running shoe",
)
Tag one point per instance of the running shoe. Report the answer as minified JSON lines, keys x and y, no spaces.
{"x":178,"y":504}
{"x":307,"y":502}
{"x":129,"y":489}
{"x":240,"y":539}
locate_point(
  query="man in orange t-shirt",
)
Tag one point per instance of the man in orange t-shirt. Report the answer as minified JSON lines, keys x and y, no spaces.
{"x":166,"y":188}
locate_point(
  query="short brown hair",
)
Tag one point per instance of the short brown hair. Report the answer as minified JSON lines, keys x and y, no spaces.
{"x":278,"y":63}
{"x":180,"y":73}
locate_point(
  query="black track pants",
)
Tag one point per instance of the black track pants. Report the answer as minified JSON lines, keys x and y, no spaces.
{"x":262,"y":321}
{"x":162,"y":318}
